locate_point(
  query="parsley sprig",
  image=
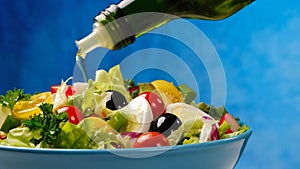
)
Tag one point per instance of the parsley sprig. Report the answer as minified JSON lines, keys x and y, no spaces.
{"x":12,"y":96}
{"x":48,"y":122}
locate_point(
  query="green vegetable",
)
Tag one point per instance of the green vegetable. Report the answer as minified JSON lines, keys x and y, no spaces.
{"x":12,"y":96}
{"x":111,"y":80}
{"x":204,"y":107}
{"x":132,"y":88}
{"x":241,"y":130}
{"x":4,"y":112}
{"x":89,"y":100}
{"x":129,"y":83}
{"x":10,"y":123}
{"x":117,"y":121}
{"x":223,"y":128}
{"x":100,"y":133}
{"x":73,"y":137}
{"x":93,"y":99}
{"x":191,"y":140}
{"x":85,"y":100}
{"x":108,"y":140}
{"x":48,"y":123}
{"x":191,"y":137}
{"x":214,"y":112}
{"x":146,"y":87}
{"x":187,"y":93}
{"x":21,"y":137}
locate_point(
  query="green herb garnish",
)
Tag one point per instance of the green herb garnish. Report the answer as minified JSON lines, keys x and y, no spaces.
{"x":48,"y":122}
{"x":13,"y":96}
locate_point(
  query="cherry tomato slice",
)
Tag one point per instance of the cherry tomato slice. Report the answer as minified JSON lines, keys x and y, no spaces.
{"x":156,"y":103}
{"x":74,"y":114}
{"x":231,"y":121}
{"x":2,"y":135}
{"x":151,"y":139}
{"x":69,"y":91}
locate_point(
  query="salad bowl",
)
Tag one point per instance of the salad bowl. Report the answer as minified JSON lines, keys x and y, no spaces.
{"x":219,"y":154}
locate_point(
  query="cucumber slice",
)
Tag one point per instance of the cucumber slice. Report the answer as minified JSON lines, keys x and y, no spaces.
{"x":10,"y":123}
{"x":4,"y":112}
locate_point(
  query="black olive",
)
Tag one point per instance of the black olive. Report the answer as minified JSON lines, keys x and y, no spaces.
{"x":115,"y":100}
{"x":166,"y":124}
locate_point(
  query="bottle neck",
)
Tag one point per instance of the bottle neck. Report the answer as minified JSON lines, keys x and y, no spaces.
{"x":119,"y":25}
{"x":117,"y":30}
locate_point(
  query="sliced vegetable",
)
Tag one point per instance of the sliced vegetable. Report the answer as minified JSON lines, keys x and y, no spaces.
{"x":29,"y":108}
{"x":168,"y":90}
{"x":3,"y":135}
{"x":156,"y":103}
{"x":74,"y":114}
{"x":10,"y":123}
{"x":234,"y":125}
{"x":132,"y":136}
{"x":190,"y":116}
{"x":214,"y":134}
{"x":4,"y":112}
{"x":151,"y":139}
{"x":208,"y":129}
{"x":91,"y":124}
{"x":22,"y":137}
{"x":69,"y":90}
{"x":111,"y":80}
{"x":132,"y":88}
{"x":73,"y":137}
{"x":101,"y":133}
{"x":117,"y":121}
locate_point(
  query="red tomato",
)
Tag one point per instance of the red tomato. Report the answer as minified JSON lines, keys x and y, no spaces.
{"x":151,"y":139}
{"x":69,"y":91}
{"x":156,"y":103}
{"x":231,"y":121}
{"x":74,"y":114}
{"x":2,"y":135}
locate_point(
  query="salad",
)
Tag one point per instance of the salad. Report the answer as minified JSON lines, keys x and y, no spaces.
{"x":110,"y":113}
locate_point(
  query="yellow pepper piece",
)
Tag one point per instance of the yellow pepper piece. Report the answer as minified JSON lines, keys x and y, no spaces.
{"x":168,"y":89}
{"x":29,"y":108}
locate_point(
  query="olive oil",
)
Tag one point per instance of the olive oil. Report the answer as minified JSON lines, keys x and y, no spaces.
{"x":81,"y":64}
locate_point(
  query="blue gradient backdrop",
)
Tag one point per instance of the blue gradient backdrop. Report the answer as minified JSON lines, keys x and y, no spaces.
{"x":259,"y":48}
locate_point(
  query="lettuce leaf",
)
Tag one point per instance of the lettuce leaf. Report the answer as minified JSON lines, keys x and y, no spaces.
{"x":93,"y":98}
{"x":225,"y":126}
{"x":21,"y":137}
{"x":73,"y":137}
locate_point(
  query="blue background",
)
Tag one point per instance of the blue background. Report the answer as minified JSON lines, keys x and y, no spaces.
{"x":259,"y":49}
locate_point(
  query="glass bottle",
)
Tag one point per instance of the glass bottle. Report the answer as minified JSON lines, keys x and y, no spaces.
{"x":120,"y":24}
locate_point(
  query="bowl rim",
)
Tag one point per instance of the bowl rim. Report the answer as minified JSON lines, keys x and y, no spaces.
{"x":244,"y":136}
